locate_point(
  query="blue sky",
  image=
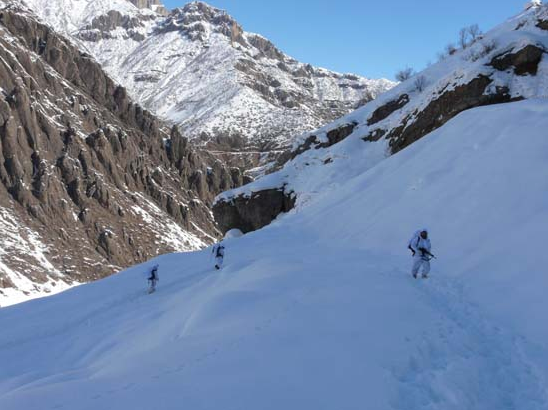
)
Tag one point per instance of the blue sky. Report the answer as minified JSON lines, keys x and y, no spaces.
{"x":371,"y":38}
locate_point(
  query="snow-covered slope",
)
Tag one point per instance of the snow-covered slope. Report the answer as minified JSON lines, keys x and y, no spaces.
{"x":508,"y":63}
{"x":198,"y":68}
{"x":68,"y":16}
{"x":318,"y":310}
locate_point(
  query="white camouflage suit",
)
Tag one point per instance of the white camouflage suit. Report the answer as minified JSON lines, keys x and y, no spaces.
{"x":420,"y":260}
{"x":219,"y":254}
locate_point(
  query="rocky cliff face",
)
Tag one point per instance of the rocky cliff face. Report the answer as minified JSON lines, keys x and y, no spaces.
{"x":90,"y":182}
{"x":227,"y":89}
{"x":253,"y":212}
{"x":506,"y":64}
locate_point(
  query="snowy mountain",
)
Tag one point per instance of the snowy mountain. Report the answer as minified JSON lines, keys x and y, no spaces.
{"x":90,"y":182}
{"x":198,"y":68}
{"x":506,"y":64}
{"x":318,"y":310}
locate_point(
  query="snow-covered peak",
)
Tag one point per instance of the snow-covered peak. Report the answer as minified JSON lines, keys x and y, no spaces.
{"x":68,"y":16}
{"x":533,"y":4}
{"x":198,"y":20}
{"x":198,"y":68}
{"x":201,"y":10}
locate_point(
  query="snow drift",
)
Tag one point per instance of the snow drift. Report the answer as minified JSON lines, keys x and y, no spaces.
{"x":318,"y":310}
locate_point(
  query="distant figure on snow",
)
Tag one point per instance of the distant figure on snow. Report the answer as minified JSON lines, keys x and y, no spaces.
{"x":219,"y":254}
{"x":153,"y":278}
{"x":420,"y":246}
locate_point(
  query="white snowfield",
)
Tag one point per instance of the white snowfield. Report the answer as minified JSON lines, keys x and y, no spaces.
{"x":318,"y":310}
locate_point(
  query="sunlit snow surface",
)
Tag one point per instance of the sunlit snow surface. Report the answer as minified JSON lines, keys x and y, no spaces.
{"x":318,"y":310}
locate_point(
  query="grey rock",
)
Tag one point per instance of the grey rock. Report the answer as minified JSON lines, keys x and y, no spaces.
{"x":524,"y":61}
{"x":80,"y":162}
{"x":443,"y":108}
{"x":384,"y":111}
{"x":254,"y":212}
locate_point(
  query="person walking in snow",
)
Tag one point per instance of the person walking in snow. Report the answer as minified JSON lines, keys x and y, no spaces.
{"x":420,"y":247}
{"x":219,"y":254}
{"x":153,"y":278}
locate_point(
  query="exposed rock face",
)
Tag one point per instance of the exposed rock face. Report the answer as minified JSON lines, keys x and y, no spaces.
{"x":442,"y":109}
{"x":92,"y":180}
{"x":524,"y":61}
{"x":542,"y":24}
{"x":332,"y":137}
{"x":384,"y":111}
{"x":473,"y":94}
{"x":253,"y":212}
{"x":267,"y":48}
{"x":101,"y":27}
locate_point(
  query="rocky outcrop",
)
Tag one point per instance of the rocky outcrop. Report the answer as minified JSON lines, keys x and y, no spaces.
{"x":385,"y":110}
{"x":524,"y":61}
{"x":249,"y":213}
{"x":452,"y":100}
{"x":102,"y":26}
{"x":191,"y":18}
{"x":443,"y":108}
{"x":332,"y":137}
{"x":542,"y":24}
{"x":95,"y":181}
{"x":266,"y":47}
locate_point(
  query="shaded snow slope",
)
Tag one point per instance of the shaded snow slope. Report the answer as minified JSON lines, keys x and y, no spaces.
{"x":198,"y":68}
{"x":318,"y":310}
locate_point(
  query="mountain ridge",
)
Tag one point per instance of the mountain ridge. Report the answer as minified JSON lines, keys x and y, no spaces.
{"x":90,"y":182}
{"x":198,"y":68}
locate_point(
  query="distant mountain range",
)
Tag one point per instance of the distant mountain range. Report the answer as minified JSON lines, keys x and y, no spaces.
{"x":196,"y":67}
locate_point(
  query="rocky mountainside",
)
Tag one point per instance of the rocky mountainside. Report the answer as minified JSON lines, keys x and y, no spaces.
{"x":199,"y":69}
{"x":506,"y":64}
{"x":90,"y":182}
